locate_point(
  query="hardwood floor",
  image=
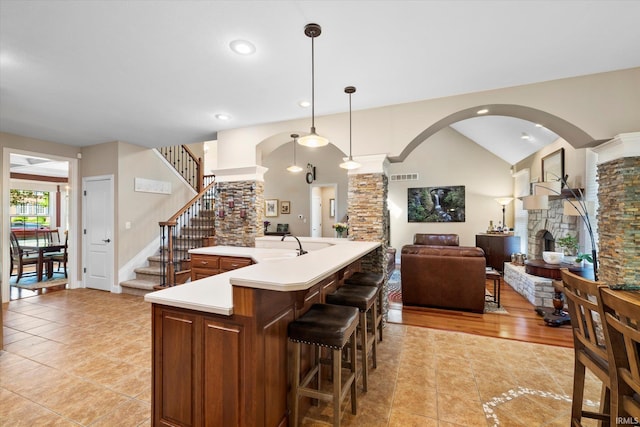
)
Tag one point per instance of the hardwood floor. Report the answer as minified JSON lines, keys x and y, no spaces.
{"x":521,"y":324}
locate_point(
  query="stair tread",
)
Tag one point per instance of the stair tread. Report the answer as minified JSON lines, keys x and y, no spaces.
{"x":149,"y":270}
{"x":138,"y":284}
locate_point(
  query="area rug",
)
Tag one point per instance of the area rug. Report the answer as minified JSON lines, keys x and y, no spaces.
{"x":395,"y":295}
{"x":32,"y":285}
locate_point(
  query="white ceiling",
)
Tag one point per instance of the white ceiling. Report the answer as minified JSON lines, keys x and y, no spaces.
{"x":154,"y":73}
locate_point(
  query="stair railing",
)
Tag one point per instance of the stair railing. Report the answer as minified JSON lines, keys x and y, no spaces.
{"x":186,"y":163}
{"x":193,"y":226}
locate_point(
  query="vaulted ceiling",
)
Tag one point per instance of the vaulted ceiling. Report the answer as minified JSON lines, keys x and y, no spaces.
{"x":156,"y":73}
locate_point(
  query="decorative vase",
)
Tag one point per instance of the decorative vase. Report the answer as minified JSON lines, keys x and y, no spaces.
{"x":339,"y":233}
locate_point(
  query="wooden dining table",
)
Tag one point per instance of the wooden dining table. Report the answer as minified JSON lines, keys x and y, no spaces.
{"x":42,"y":256}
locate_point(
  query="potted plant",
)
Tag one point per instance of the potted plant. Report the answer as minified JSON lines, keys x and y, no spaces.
{"x":340,"y":228}
{"x":570,"y":245}
{"x":583,"y":257}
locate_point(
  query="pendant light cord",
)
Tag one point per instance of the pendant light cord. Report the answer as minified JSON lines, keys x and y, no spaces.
{"x":313,"y":91}
{"x":350,"y":158}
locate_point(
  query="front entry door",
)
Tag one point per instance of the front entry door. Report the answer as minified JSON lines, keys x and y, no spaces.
{"x":98,"y":232}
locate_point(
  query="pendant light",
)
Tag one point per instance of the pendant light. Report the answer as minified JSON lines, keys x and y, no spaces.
{"x":294,"y":168}
{"x":350,"y":163}
{"x":313,"y":139}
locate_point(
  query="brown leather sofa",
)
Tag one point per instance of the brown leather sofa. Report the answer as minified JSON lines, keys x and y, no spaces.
{"x":436,"y":239}
{"x":443,"y":276}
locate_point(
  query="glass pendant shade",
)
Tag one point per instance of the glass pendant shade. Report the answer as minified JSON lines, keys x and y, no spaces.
{"x":350,"y":164}
{"x":294,"y":168}
{"x":313,"y":140}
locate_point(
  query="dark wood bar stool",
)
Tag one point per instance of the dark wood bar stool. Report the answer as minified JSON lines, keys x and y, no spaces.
{"x":360,"y":278}
{"x":330,"y":326}
{"x":364,"y":298}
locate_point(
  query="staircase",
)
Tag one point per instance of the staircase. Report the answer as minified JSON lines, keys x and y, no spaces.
{"x":200,"y":232}
{"x":193,"y":226}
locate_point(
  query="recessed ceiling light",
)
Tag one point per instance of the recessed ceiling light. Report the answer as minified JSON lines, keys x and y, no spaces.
{"x":223,"y":116}
{"x":483,"y":111}
{"x":304,"y":104}
{"x":242,"y":47}
{"x":525,"y":136}
{"x":538,"y":125}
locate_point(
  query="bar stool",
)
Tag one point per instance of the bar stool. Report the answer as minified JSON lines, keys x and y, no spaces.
{"x":370,"y":279}
{"x":331,"y":326}
{"x":364,"y":298}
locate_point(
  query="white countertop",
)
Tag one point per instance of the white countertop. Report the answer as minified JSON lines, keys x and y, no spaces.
{"x":276,"y":269}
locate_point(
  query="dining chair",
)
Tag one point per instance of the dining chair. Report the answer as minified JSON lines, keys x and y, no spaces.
{"x":621,"y":312}
{"x":589,"y":345}
{"x":61,"y":257}
{"x":20,"y":257}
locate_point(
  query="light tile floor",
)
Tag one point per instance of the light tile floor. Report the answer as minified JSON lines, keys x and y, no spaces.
{"x":82,"y":357}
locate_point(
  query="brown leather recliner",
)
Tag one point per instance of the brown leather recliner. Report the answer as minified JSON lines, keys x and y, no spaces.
{"x":450,"y":277}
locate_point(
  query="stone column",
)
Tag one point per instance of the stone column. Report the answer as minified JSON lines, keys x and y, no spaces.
{"x":619,"y":211}
{"x":239,"y":205}
{"x":368,"y":212}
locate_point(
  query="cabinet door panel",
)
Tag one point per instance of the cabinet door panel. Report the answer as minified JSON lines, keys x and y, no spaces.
{"x":275,"y":368}
{"x":222,"y":361}
{"x":177,"y":382}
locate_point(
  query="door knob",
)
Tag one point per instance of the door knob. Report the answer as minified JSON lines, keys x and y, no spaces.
{"x":106,"y":240}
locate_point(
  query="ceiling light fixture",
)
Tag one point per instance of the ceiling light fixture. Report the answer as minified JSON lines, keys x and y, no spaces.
{"x":242,"y":47}
{"x":294,"y":168}
{"x":525,"y":136}
{"x":304,"y":104}
{"x":350,"y":163}
{"x":313,"y":139}
{"x":223,"y":116}
{"x":483,"y":111}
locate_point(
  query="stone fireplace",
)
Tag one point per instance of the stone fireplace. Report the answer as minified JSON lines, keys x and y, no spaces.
{"x":545,"y":226}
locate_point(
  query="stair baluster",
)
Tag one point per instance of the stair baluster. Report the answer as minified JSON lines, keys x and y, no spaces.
{"x":191,"y":227}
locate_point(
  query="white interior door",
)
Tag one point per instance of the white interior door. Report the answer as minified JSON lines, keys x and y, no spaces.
{"x":316,"y":212}
{"x":98,"y":232}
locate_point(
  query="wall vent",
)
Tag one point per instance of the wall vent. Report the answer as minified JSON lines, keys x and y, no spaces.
{"x":404,"y":177}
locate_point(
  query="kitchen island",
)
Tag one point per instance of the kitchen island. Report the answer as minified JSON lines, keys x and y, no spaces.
{"x":220,"y":343}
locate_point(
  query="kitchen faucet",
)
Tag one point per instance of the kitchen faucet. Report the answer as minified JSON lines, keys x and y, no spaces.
{"x":300,"y":251}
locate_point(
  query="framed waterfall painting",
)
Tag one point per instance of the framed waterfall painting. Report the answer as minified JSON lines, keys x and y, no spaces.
{"x":436,"y":204}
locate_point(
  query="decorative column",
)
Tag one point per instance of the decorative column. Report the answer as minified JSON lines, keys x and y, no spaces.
{"x":368,"y":212}
{"x":239,"y":205}
{"x":619,"y":211}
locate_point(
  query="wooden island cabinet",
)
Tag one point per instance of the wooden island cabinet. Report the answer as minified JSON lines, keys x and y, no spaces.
{"x":214,"y":369}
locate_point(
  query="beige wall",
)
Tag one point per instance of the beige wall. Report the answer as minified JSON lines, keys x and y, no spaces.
{"x":283,"y":185}
{"x":143,"y":210}
{"x":451,"y":159}
{"x":602,"y":105}
{"x":574,"y":163}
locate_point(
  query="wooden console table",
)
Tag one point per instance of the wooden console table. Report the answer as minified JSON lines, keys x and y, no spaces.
{"x":498,"y":248}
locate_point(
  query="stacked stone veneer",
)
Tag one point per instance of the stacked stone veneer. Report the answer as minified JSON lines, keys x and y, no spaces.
{"x":369,"y":220}
{"x":537,"y":290}
{"x":232,"y":230}
{"x":619,"y":221}
{"x":551,"y":220}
